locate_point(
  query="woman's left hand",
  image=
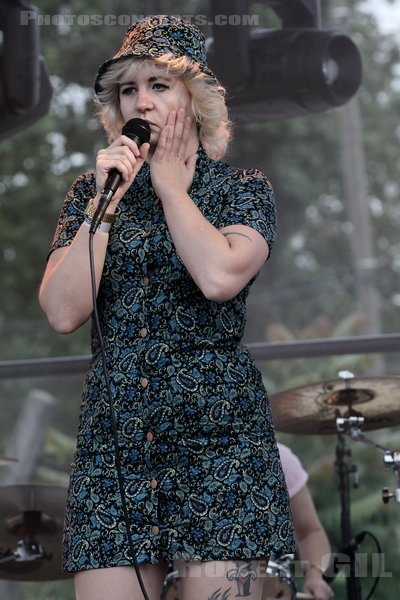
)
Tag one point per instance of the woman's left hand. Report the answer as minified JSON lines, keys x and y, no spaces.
{"x":171,"y":169}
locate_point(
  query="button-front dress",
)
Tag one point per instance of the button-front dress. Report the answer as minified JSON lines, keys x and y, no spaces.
{"x":201,"y":471}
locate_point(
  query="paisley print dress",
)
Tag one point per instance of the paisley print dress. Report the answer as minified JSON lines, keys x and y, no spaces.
{"x":201,"y":471}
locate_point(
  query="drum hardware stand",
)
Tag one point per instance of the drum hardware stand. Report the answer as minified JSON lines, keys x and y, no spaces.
{"x":351,"y":427}
{"x":281,"y":569}
{"x":392,"y":459}
{"x":344,"y":470}
{"x":24,"y":552}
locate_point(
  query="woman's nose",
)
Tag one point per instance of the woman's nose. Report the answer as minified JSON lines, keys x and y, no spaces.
{"x":143,"y":100}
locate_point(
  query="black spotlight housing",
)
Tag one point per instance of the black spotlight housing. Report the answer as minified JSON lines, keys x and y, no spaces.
{"x":25,"y":88}
{"x":288,"y":72}
{"x":296,"y":72}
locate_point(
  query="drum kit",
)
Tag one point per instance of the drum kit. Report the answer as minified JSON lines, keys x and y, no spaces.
{"x":344,"y":406}
{"x":31,"y":524}
{"x":278,"y":583}
{"x":32,"y":515}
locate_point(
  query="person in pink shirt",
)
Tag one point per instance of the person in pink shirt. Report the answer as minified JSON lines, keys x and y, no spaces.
{"x":312,"y":542}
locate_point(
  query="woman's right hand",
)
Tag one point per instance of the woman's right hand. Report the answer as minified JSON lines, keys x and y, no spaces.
{"x":125,"y":156}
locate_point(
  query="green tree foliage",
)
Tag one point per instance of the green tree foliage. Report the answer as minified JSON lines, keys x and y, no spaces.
{"x":306,"y":290}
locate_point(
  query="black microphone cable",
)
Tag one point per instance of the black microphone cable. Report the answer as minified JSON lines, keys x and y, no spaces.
{"x":351,"y":548}
{"x":113,"y":417}
{"x":377,"y":577}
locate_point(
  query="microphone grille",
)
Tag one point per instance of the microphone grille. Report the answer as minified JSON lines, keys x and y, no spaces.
{"x":137,"y":128}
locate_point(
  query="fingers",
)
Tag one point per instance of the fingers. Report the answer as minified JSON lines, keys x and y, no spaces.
{"x":175,"y":135}
{"x":181,"y":133}
{"x":144,"y":151}
{"x":171,"y":167}
{"x":117,"y":160}
{"x":123,"y":155}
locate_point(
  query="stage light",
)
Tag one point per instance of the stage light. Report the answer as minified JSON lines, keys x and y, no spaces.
{"x":285,"y":72}
{"x":25,"y":88}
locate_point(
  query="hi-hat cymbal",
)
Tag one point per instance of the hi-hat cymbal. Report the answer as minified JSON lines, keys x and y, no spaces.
{"x":31,"y":525}
{"x":313,"y":409}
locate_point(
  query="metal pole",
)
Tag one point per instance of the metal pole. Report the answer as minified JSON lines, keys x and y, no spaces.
{"x":355,"y":180}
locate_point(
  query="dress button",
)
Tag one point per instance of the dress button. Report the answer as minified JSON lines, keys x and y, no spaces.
{"x":153,"y":483}
{"x":144,"y":382}
{"x":143,"y":332}
{"x":146,"y":280}
{"x":149,"y":436}
{"x":155,"y":530}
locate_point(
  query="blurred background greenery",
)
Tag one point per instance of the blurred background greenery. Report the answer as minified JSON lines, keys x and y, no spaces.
{"x":309,"y":289}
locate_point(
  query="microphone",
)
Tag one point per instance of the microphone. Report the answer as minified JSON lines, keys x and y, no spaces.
{"x":336,"y":564}
{"x":139,"y":131}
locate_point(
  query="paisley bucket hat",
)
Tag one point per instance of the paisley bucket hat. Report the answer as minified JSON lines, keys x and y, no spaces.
{"x":155,"y":36}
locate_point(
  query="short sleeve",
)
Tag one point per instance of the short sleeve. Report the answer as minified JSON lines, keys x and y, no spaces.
{"x":295,"y":475}
{"x":72,"y":211}
{"x":251,"y":202}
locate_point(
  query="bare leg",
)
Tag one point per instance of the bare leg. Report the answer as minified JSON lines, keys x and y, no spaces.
{"x":120,"y":583}
{"x":222,"y":580}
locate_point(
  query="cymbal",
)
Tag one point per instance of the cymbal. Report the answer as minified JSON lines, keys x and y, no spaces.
{"x":31,"y":525}
{"x":313,"y":409}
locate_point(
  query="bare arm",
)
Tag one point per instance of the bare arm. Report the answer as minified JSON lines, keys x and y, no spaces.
{"x":221,"y":262}
{"x":313,"y":544}
{"x":65,"y":293}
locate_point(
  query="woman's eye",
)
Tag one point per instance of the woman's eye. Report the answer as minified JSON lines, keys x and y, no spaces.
{"x":160,"y":86}
{"x":128,"y":91}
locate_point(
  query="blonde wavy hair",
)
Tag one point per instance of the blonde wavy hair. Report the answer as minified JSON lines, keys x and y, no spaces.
{"x":207,"y":99}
